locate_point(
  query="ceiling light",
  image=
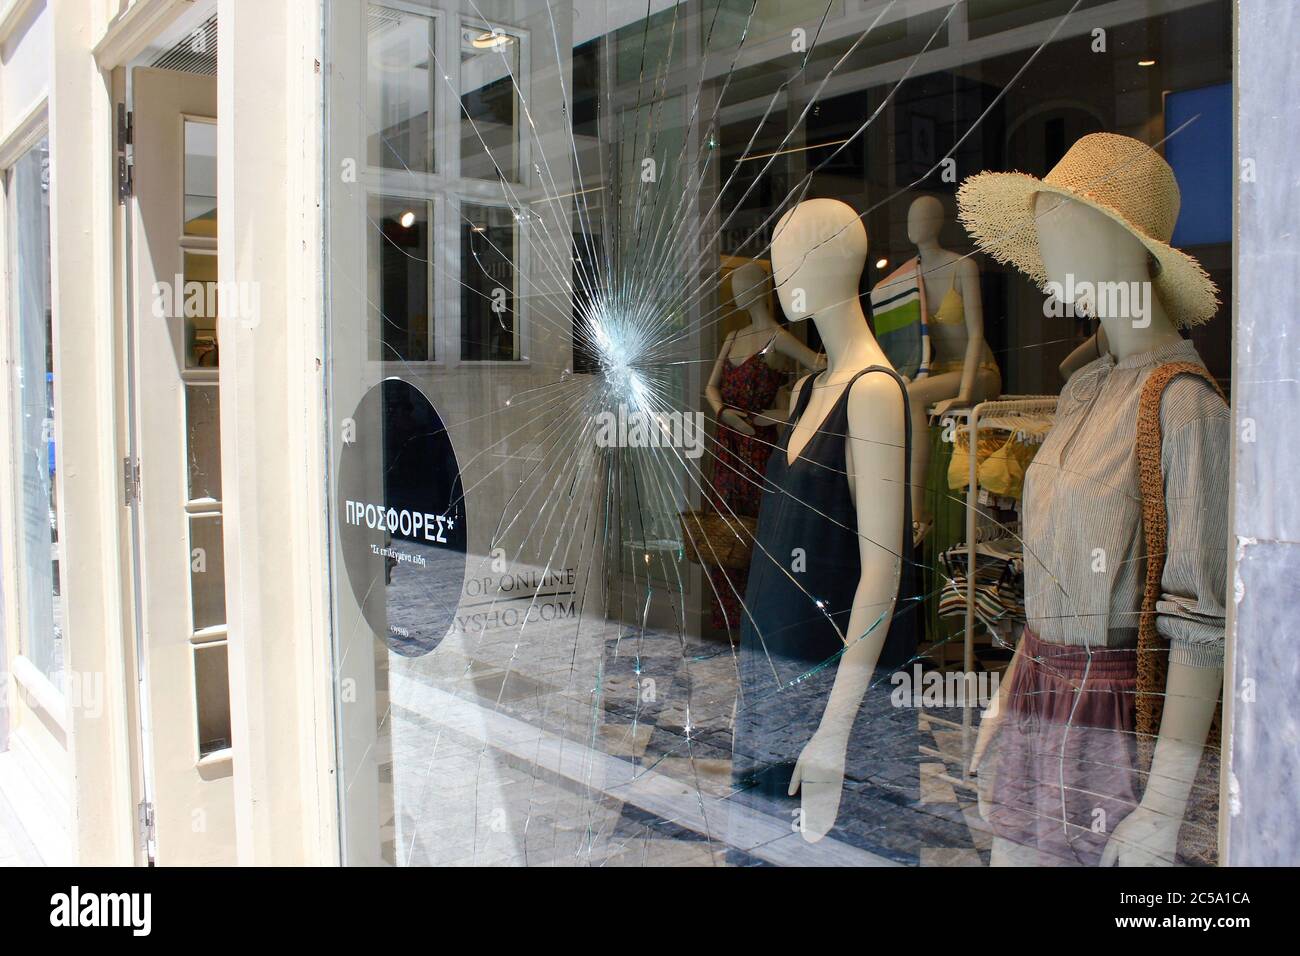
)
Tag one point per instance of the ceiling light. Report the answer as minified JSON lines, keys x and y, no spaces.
{"x":881,"y":263}
{"x":492,"y":40}
{"x":1146,"y":62}
{"x":407,"y":220}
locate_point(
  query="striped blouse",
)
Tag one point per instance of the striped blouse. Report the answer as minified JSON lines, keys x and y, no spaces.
{"x":1082,"y":520}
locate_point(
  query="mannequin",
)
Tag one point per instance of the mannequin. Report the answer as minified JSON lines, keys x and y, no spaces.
{"x":818,"y":253}
{"x":743,"y":392}
{"x":1076,"y":240}
{"x":750,"y":286}
{"x":962,"y":369}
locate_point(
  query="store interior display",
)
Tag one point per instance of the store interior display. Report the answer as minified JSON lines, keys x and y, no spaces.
{"x":866,"y":572}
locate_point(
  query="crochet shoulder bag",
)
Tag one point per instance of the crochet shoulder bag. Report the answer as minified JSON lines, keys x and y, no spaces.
{"x":1198,"y":837}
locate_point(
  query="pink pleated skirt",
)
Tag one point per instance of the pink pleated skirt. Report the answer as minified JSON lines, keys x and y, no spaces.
{"x":1064,"y":753}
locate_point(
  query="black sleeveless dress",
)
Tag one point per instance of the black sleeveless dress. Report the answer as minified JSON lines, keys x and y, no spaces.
{"x":790,"y":641}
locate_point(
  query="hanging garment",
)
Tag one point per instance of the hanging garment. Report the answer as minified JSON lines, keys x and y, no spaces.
{"x":737,"y":486}
{"x":898,"y":318}
{"x":789,"y":645}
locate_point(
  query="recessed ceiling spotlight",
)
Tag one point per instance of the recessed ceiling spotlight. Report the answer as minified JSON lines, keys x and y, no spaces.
{"x":1146,"y":62}
{"x":492,"y":40}
{"x":881,"y":263}
{"x":407,"y":220}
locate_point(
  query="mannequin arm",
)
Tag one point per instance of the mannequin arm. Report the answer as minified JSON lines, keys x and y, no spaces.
{"x":789,"y":346}
{"x":877,"y":464}
{"x":876,"y":460}
{"x":713,"y":390}
{"x":1192,"y":696}
{"x":1149,"y":835}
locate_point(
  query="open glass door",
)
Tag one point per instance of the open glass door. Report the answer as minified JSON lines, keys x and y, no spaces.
{"x":176,"y":470}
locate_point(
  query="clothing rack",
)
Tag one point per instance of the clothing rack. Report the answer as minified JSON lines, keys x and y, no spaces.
{"x":1007,"y":412}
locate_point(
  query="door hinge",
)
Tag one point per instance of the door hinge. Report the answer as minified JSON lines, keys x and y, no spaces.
{"x":130,"y":480}
{"x":145,"y":818}
{"x":125,"y":138}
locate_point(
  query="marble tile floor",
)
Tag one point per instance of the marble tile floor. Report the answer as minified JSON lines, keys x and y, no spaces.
{"x":610,"y":750}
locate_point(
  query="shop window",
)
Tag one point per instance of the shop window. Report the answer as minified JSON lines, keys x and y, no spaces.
{"x":200,"y":178}
{"x":490,"y":79}
{"x":400,"y":295}
{"x":677,"y":553}
{"x":212,"y":697}
{"x":39,"y":548}
{"x":199,"y":307}
{"x":489,"y":304}
{"x":401,"y":89}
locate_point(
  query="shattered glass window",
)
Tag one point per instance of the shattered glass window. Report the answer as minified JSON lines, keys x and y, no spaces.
{"x":739,"y":441}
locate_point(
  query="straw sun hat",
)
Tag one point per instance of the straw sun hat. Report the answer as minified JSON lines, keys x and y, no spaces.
{"x":1118,"y":176}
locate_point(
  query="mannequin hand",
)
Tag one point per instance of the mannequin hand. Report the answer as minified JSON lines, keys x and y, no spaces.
{"x":961,"y":401}
{"x":772,"y":416}
{"x":735,"y":421}
{"x":989,"y":724}
{"x":819,"y":780}
{"x":1146,"y":837}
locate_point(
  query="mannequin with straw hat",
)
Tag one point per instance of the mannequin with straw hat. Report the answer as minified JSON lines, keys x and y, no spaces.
{"x":1095,"y":233}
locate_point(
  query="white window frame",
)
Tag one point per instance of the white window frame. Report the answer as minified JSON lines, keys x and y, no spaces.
{"x":446,"y":189}
{"x":34,"y":686}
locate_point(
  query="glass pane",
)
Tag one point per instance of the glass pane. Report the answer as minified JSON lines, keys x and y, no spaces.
{"x":399,"y":279}
{"x":199,"y":306}
{"x":200,"y":178}
{"x":399,"y":89}
{"x":489,"y":128}
{"x":38,"y":545}
{"x":212,"y":697}
{"x":207,"y":572}
{"x":655,"y":615}
{"x":203,"y":441}
{"x":488,"y":318}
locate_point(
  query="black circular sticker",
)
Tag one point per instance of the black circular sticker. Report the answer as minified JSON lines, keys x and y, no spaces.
{"x":401,"y":517}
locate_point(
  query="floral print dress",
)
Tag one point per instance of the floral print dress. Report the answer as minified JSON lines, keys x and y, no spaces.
{"x":750,"y":387}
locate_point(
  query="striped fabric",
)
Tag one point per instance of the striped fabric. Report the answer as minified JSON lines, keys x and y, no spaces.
{"x":1082,"y":515}
{"x":898,"y":318}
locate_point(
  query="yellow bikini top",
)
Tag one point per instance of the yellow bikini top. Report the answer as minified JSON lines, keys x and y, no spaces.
{"x":950,"y":311}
